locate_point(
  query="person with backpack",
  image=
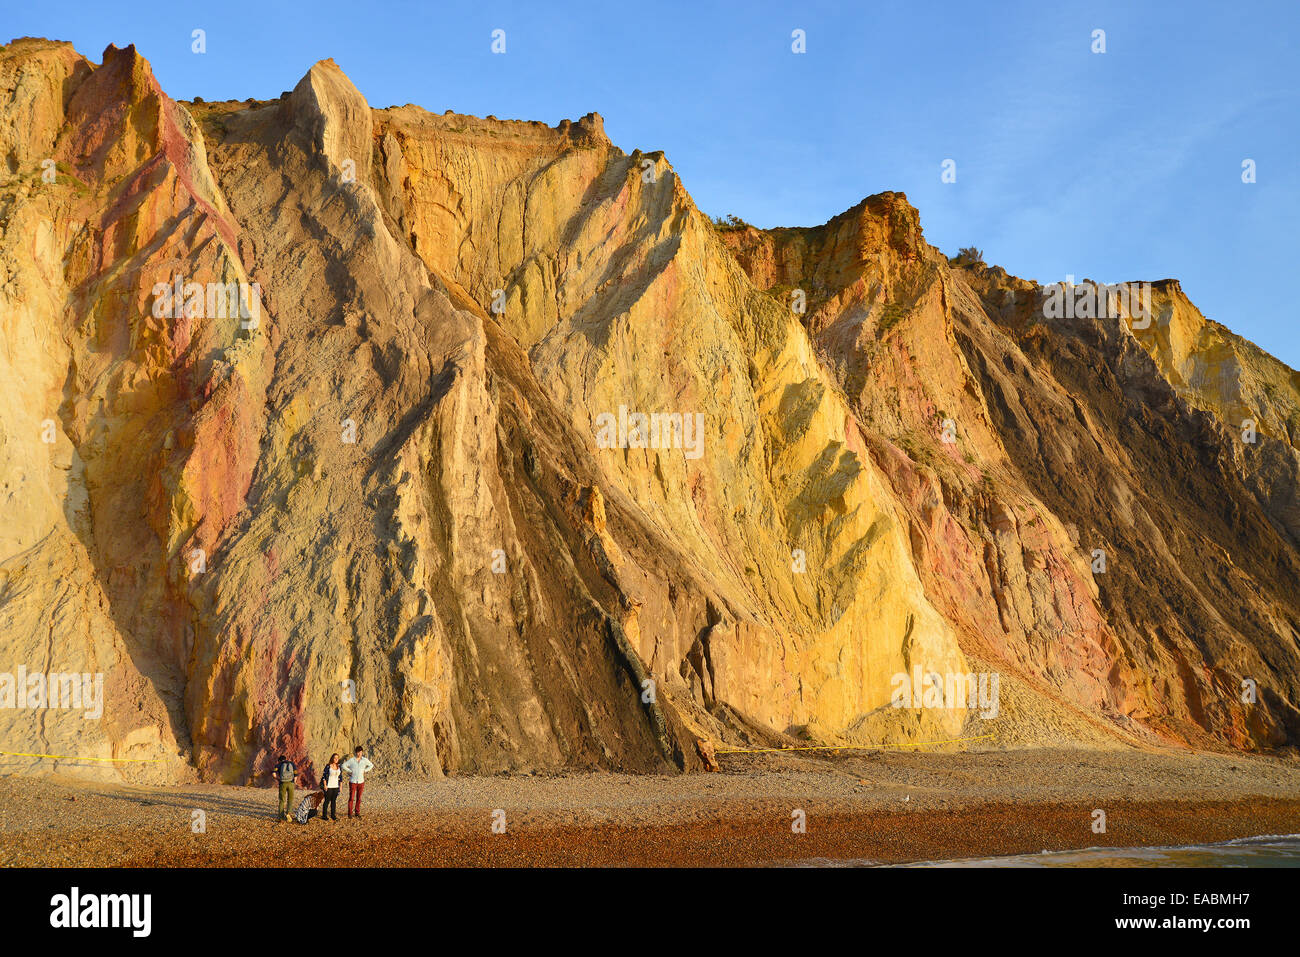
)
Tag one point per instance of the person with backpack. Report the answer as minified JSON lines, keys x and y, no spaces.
{"x":356,"y":766}
{"x":285,"y":772}
{"x":331,"y":779}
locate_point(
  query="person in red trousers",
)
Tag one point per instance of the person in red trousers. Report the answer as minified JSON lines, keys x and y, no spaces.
{"x":356,"y":766}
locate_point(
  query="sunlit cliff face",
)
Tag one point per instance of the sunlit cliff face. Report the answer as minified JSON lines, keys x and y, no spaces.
{"x":503,"y":456}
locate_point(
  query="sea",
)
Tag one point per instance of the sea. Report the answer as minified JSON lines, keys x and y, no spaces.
{"x":1268,"y":850}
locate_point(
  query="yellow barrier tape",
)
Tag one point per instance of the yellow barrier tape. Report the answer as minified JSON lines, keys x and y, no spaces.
{"x":70,"y":757}
{"x":870,"y":747}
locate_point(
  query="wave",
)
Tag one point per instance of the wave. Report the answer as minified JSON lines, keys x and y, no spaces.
{"x":1263,"y":850}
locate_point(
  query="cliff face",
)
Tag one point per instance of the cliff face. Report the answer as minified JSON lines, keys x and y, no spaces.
{"x":374,"y":469}
{"x":1121,"y":432}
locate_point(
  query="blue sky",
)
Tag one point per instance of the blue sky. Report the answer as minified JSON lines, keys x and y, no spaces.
{"x":1118,"y":166}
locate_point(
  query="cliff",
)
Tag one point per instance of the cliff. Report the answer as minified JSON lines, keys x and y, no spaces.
{"x":319,"y":425}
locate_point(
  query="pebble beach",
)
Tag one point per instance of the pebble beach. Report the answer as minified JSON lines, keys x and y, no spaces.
{"x":887,"y":807}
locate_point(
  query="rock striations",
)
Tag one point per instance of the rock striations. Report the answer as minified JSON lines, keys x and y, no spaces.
{"x":477,"y":442}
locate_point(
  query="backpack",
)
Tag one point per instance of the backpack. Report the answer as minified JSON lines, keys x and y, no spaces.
{"x":286,"y":771}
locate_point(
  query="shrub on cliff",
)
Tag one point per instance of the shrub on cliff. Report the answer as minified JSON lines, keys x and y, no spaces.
{"x":730,"y":221}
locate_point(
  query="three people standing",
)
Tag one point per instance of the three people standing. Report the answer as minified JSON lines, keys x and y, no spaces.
{"x":331,"y":781}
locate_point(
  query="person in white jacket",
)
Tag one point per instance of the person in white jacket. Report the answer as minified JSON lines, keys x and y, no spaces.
{"x":331,"y":779}
{"x":356,"y":766}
